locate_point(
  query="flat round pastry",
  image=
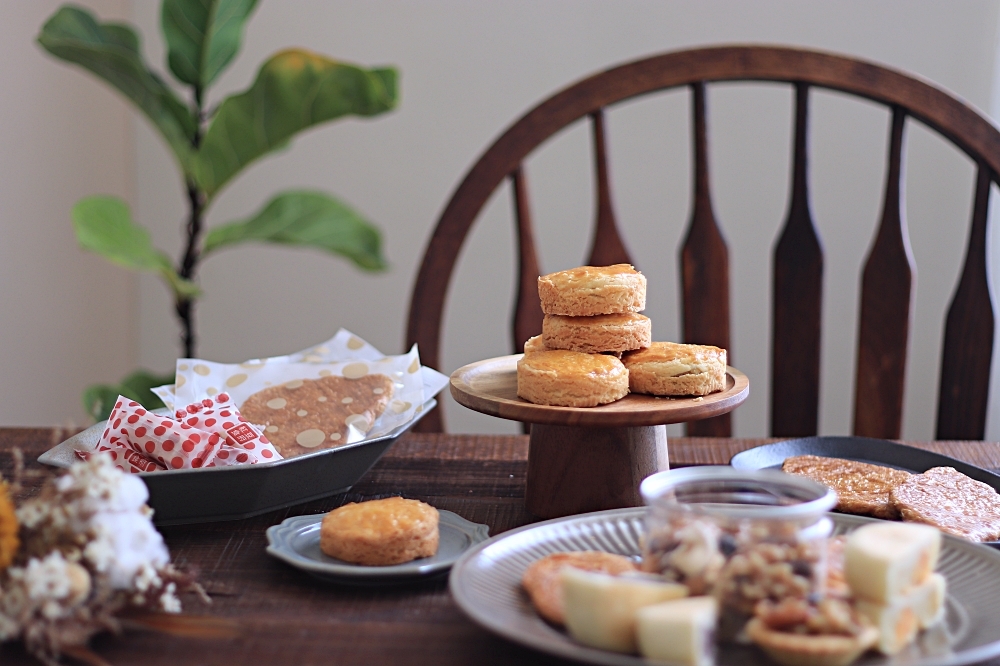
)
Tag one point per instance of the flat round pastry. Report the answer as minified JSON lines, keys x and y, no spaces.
{"x":534,"y":344}
{"x":593,"y":290}
{"x":792,"y":649}
{"x":571,"y":379}
{"x":951,"y":501}
{"x":597,"y":334}
{"x":671,"y":368}
{"x":380,"y":532}
{"x":862,"y":488}
{"x":541,"y":579}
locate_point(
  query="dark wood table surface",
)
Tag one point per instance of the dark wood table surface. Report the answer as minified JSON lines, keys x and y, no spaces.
{"x":288,"y":617}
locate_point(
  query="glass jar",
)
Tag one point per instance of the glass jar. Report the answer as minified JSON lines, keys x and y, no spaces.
{"x":740,"y":535}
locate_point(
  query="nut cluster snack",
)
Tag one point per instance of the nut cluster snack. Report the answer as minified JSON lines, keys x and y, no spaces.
{"x":593,"y":311}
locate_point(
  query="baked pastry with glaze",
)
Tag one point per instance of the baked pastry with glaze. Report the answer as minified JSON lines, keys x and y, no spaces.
{"x":534,"y":344}
{"x":952,"y":502}
{"x":671,"y":368}
{"x":541,"y":579}
{"x":862,"y":488}
{"x":597,"y":334}
{"x":571,"y":379}
{"x":593,"y":290}
{"x":380,"y":532}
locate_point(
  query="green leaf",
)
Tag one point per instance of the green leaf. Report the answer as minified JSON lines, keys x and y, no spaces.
{"x":311,"y":219}
{"x":111,"y":51}
{"x":99,"y":399}
{"x":104,"y":225}
{"x":294,"y":90}
{"x":203,"y":36}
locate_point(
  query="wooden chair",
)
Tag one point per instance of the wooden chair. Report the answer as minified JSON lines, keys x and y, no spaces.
{"x":887,"y":282}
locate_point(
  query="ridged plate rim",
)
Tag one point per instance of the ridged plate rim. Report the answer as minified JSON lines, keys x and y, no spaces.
{"x":485,"y":584}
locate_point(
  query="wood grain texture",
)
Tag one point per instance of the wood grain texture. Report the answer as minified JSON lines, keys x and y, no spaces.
{"x":490,"y":387}
{"x":704,"y":263}
{"x":607,"y":247}
{"x":968,"y":334}
{"x":578,"y":470}
{"x":291,"y":618}
{"x":798,"y":299}
{"x":886,"y":300}
{"x":936,"y":108}
{"x":528,"y":315}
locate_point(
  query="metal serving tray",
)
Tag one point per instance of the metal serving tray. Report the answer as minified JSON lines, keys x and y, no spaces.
{"x":185,"y":496}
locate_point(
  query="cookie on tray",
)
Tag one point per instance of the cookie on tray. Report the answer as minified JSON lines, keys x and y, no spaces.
{"x":306,"y":415}
{"x":952,"y":502}
{"x":597,"y":334}
{"x":593,"y":290}
{"x":571,"y":379}
{"x":671,"y":368}
{"x":541,"y":579}
{"x":380,"y":532}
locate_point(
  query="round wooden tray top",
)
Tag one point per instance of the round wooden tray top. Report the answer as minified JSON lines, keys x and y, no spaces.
{"x":490,"y":387}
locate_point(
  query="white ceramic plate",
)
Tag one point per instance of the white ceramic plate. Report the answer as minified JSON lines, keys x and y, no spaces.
{"x":485,"y":583}
{"x":296,"y":541}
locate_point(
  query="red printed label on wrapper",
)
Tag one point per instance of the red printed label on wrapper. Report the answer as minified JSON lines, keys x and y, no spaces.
{"x":219,"y":415}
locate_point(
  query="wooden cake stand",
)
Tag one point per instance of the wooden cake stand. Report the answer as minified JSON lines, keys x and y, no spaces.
{"x":584,"y":459}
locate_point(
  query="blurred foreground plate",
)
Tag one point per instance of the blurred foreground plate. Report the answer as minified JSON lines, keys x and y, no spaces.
{"x":486,"y":585}
{"x":184,"y":496}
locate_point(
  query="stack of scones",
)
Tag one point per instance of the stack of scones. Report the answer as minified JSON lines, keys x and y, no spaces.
{"x":595,"y":347}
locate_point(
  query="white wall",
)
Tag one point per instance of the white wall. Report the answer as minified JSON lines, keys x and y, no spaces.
{"x":470,"y":69}
{"x":67,"y":319}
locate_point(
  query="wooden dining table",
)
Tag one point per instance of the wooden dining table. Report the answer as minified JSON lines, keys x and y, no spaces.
{"x":281,"y":615}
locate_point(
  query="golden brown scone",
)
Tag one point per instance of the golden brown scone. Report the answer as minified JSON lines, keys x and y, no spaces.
{"x":862,"y":488}
{"x":571,"y":379}
{"x":597,"y":334}
{"x":535,"y":344}
{"x":307,"y":415}
{"x":593,"y":290}
{"x":380,"y":532}
{"x":952,"y":502}
{"x":671,"y":368}
{"x":541,"y":579}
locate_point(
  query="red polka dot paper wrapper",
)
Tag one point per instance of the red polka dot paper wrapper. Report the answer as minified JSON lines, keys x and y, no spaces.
{"x":210,"y":433}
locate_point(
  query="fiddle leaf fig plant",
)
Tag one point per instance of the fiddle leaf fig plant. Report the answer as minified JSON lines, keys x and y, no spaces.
{"x":294,"y":90}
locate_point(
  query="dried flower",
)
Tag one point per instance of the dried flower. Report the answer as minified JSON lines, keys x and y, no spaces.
{"x":9,"y":542}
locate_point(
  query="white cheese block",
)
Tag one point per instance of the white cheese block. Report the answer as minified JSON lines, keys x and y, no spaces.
{"x":899,"y":622}
{"x":883,"y":560}
{"x":679,"y":632}
{"x":600,"y":609}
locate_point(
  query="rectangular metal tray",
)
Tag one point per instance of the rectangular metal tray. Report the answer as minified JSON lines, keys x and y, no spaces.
{"x":185,"y":496}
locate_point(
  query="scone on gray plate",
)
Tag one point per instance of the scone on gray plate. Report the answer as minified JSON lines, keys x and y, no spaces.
{"x":380,"y":532}
{"x":674,"y":369}
{"x":593,"y":290}
{"x":597,"y":334}
{"x":571,"y":379}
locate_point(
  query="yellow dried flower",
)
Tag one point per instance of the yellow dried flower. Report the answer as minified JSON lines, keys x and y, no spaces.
{"x":9,"y":543}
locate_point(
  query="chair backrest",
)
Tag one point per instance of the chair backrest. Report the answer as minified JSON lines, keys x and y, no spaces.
{"x":887,"y":281}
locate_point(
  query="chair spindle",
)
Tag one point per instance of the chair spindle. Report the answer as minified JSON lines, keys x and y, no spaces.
{"x":607,"y":248}
{"x":798,"y":298}
{"x":705,"y":266}
{"x":968,"y":334}
{"x":886,"y":299}
{"x":528,"y":309}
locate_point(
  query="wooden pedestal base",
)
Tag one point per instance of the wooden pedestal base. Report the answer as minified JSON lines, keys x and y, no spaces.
{"x":574,"y":470}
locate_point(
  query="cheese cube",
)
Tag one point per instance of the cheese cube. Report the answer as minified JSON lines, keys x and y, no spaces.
{"x":679,"y":632}
{"x":600,"y":609}
{"x":899,"y":621}
{"x":884,"y":560}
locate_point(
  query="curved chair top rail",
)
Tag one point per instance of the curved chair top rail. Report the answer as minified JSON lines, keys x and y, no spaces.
{"x":933,"y":106}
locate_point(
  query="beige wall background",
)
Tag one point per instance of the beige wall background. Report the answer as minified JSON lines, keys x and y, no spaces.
{"x":469,"y":70}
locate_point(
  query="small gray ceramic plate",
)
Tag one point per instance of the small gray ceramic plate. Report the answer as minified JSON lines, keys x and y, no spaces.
{"x":184,"y":496}
{"x":486,"y":585}
{"x":296,"y":541}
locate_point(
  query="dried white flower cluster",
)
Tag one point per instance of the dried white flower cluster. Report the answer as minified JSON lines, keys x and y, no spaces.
{"x":88,"y":548}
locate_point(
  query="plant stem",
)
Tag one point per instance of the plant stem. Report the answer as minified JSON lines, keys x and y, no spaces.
{"x":184,"y":306}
